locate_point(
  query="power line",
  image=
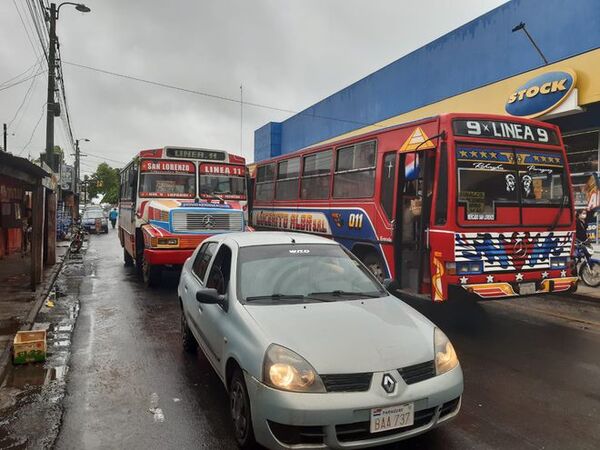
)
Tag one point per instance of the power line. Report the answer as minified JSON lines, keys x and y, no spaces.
{"x":34,"y":129}
{"x":33,"y":80}
{"x":215,"y":96}
{"x":21,"y":74}
{"x":16,"y":83}
{"x":35,"y":52}
{"x":92,"y":155}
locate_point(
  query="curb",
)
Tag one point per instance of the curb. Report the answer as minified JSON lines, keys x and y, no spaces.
{"x":45,"y":289}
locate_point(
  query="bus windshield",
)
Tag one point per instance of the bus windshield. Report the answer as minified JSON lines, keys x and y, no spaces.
{"x":224,"y":180}
{"x":167,"y":185}
{"x":489,"y":177}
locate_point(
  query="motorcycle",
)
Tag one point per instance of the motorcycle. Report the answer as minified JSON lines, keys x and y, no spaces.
{"x":78,"y":235}
{"x":588,"y":268}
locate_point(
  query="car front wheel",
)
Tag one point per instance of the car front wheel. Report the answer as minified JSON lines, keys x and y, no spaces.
{"x":239,"y":406}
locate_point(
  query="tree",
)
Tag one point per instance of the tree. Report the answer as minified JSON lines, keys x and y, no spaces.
{"x":104,"y":181}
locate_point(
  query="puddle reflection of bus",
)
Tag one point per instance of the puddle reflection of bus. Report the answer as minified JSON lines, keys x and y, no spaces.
{"x":173,"y":198}
{"x":458,"y":202}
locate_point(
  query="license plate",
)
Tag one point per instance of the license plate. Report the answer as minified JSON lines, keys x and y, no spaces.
{"x":526,"y":288}
{"x":384,"y":419}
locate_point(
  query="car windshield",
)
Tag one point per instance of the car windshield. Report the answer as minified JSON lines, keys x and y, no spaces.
{"x":293,"y":273}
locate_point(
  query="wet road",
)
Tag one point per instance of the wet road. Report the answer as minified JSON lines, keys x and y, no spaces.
{"x":532,"y":371}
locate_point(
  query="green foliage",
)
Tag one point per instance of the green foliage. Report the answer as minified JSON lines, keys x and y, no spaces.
{"x":104,"y":181}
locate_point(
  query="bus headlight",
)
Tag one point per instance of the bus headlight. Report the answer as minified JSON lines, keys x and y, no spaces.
{"x":445,"y":356}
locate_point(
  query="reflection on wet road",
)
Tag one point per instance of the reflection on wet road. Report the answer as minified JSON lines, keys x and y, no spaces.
{"x":531,"y":376}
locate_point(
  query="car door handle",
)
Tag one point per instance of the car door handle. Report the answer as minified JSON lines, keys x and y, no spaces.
{"x":185,"y":288}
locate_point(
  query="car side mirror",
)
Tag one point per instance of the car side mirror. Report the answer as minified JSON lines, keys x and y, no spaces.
{"x":208,"y":296}
{"x":391,"y":285}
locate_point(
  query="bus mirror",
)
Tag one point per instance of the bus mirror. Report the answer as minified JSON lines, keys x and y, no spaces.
{"x":391,"y":285}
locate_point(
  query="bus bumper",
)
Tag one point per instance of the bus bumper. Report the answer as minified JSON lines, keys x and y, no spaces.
{"x":162,"y":257}
{"x":530,"y":284}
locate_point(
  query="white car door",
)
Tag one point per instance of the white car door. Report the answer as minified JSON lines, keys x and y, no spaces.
{"x":192,"y":282}
{"x":214,"y":318}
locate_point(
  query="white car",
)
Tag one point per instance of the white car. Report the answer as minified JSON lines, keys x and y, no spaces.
{"x":313,"y":350}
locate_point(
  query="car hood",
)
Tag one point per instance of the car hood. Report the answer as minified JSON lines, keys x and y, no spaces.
{"x":369,"y":335}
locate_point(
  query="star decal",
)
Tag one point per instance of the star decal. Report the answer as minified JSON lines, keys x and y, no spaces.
{"x":536,"y":158}
{"x":543,"y":158}
{"x":493,"y":155}
{"x":463,"y":280}
{"x":463,"y":154}
{"x":544,"y":274}
{"x":490,"y":278}
{"x":474,"y":154}
{"x":483,"y":154}
{"x":563,"y":273}
{"x":519,"y":277}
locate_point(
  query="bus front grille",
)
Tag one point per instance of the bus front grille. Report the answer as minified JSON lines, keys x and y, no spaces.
{"x":213,"y":221}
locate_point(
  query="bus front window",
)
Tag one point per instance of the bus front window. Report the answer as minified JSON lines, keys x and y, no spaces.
{"x":170,"y":185}
{"x":232,"y":187}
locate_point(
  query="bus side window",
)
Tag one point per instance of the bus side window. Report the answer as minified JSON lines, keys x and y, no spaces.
{"x":388,"y":183}
{"x":441,"y":201}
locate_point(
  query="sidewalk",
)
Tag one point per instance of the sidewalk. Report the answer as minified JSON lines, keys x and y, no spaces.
{"x":18,"y":303}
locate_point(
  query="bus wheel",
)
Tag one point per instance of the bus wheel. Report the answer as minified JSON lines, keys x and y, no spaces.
{"x":374,"y":264}
{"x":150,"y":273}
{"x":127,"y":258}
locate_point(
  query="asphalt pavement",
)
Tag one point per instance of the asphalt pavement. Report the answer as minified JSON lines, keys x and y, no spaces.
{"x":531,"y":367}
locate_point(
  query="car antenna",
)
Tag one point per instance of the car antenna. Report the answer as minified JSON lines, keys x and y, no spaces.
{"x":293,"y":240}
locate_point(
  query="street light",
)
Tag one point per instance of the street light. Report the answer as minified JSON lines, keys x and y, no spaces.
{"x":53,"y":109}
{"x":521,"y":26}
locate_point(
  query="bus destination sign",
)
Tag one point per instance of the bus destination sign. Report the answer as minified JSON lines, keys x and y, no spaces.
{"x":190,"y":153}
{"x":513,"y":131}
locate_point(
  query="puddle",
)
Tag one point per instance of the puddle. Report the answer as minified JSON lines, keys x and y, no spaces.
{"x":21,"y":377}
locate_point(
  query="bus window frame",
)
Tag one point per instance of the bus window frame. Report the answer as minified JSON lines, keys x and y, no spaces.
{"x":273,"y":181}
{"x":329,"y":174}
{"x":372,"y":168}
{"x":512,"y":146}
{"x":278,"y":180}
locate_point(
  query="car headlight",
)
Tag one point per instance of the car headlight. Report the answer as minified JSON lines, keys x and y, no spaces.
{"x":445,"y":356}
{"x":286,"y":370}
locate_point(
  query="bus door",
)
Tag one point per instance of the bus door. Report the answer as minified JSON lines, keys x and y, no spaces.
{"x":413,"y":205}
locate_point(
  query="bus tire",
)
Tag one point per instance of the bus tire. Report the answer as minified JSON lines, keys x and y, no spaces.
{"x":127,"y":258}
{"x":151,"y":274}
{"x":374,"y":264}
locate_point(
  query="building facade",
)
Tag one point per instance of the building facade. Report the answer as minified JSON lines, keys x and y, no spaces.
{"x":483,"y":66}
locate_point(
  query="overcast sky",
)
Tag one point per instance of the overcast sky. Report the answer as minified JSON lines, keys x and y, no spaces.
{"x":286,"y":53}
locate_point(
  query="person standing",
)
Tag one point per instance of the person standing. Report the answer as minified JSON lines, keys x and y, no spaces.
{"x":581,"y":228}
{"x":113,"y":216}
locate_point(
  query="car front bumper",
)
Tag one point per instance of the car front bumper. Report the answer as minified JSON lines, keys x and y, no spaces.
{"x":340,"y":420}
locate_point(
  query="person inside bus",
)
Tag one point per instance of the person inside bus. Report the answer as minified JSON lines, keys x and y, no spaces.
{"x":581,"y":229}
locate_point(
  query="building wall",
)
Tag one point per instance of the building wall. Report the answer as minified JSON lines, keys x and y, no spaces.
{"x":481,"y":52}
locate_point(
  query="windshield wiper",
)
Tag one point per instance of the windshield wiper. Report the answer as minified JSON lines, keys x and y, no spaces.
{"x":221,"y":199}
{"x":276,"y":297}
{"x":557,"y":218}
{"x":340,"y":293}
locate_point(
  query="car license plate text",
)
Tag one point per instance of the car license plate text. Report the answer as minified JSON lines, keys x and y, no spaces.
{"x":383,"y":419}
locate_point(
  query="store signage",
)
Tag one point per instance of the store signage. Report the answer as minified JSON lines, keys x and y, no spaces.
{"x":541,"y":94}
{"x":211,"y":155}
{"x":222,"y":169}
{"x":149,"y":165}
{"x":499,"y":129}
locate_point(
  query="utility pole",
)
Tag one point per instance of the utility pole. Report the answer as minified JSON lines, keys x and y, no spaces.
{"x":50,"y":105}
{"x":78,"y":156}
{"x":4,"y":146}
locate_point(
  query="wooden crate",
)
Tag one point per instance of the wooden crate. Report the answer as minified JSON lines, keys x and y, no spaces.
{"x":29,"y":346}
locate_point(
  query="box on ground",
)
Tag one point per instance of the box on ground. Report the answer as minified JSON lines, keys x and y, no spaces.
{"x":29,"y":346}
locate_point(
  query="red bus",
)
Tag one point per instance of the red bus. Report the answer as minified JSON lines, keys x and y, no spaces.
{"x":173,"y":198}
{"x":465,"y":202}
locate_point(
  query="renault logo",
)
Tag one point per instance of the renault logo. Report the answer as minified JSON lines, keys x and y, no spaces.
{"x":208,"y":221}
{"x":388,"y":383}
